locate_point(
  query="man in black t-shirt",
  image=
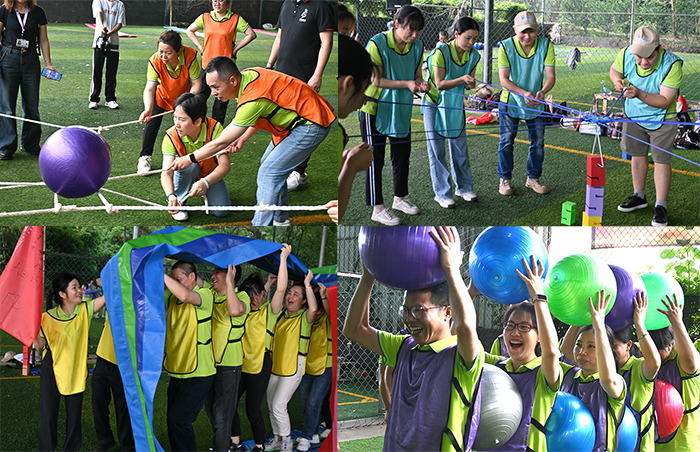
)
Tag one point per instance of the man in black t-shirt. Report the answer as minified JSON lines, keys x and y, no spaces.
{"x":301,"y":49}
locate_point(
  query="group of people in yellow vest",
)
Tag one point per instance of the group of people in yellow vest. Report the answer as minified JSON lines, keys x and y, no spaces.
{"x":222,"y":340}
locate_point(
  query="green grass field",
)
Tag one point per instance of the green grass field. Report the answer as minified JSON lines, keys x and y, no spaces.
{"x":65,"y":103}
{"x":356,"y":400}
{"x":20,"y":402}
{"x":362,"y":445}
{"x":564,"y":170}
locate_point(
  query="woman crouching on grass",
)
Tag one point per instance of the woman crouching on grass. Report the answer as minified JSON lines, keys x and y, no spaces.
{"x":64,"y":332}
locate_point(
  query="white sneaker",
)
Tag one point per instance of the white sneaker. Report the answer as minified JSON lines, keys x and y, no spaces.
{"x":93,"y":105}
{"x":303,"y":444}
{"x":405,"y":206}
{"x":144,"y":165}
{"x":287,"y":444}
{"x":446,"y":203}
{"x":295,"y":181}
{"x":112,"y":104}
{"x":315,"y":440}
{"x":469,"y":196}
{"x":386,"y":217}
{"x":181,"y":216}
{"x":325,"y":433}
{"x":273,"y":444}
{"x":287,"y":222}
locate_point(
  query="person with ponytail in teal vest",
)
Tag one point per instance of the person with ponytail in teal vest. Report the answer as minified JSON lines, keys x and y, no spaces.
{"x":524,"y":62}
{"x":451,"y":69}
{"x":654,"y":76}
{"x":399,"y":55}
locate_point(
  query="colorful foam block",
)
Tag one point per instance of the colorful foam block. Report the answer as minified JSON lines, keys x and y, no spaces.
{"x":591,"y":221}
{"x":594,"y":200}
{"x":595,"y":170}
{"x":568,"y":213}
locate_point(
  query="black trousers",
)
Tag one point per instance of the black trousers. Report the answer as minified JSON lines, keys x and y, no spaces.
{"x":107,"y":382}
{"x":98,"y":61}
{"x":326,"y":409}
{"x":218,"y":111}
{"x":186,"y":397}
{"x":150,"y":131}
{"x":400,"y":157}
{"x":254,"y":386}
{"x":50,"y":400}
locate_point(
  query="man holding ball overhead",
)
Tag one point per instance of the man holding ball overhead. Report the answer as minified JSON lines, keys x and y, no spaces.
{"x":436,"y":414}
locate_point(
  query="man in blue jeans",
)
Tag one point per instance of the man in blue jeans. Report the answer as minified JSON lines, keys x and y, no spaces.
{"x":297,"y":117}
{"x":524,"y":61}
{"x":192,"y":130}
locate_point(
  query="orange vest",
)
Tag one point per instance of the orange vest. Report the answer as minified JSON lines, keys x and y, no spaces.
{"x":288,"y":93}
{"x":205,"y":166}
{"x":219,"y":38}
{"x":171,"y":88}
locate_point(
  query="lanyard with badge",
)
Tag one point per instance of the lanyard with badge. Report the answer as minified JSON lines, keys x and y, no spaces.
{"x":21,"y":42}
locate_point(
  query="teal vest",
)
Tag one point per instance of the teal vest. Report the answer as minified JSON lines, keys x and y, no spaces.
{"x":635,"y":108}
{"x":528,"y":74}
{"x":450,"y":103}
{"x":393,"y":119}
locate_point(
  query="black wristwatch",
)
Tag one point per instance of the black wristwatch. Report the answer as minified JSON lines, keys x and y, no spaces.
{"x":192,"y":159}
{"x":539,"y":296}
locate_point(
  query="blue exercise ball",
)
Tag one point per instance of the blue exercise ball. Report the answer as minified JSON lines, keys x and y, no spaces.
{"x":570,"y":427}
{"x":497,"y":252}
{"x":501,"y":409}
{"x":628,"y":432}
{"x":401,"y":257}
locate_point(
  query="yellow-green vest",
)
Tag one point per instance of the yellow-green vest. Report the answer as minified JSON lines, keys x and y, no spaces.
{"x":291,"y":339}
{"x":105,"y":348}
{"x":227,"y":331}
{"x":320,"y":347}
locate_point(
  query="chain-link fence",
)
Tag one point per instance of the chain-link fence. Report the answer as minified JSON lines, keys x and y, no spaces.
{"x":598,"y":29}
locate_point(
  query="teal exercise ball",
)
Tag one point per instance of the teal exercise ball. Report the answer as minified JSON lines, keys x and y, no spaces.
{"x":658,"y":285}
{"x":570,"y":426}
{"x":572,"y":281}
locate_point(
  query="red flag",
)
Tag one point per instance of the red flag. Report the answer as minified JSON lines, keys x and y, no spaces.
{"x":22,"y":287}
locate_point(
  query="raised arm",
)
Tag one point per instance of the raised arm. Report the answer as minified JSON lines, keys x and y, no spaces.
{"x":181,"y":292}
{"x":282,"y":279}
{"x":323,"y":291}
{"x":234,"y":305}
{"x":99,"y":301}
{"x":569,"y":341}
{"x":652,"y":360}
{"x":610,"y":380}
{"x":462,"y":306}
{"x":357,"y":327}
{"x":687,"y":355}
{"x":545,"y":324}
{"x":311,"y":301}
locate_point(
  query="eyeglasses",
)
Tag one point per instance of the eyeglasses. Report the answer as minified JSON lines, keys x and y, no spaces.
{"x":416,"y":311}
{"x":522,"y":327}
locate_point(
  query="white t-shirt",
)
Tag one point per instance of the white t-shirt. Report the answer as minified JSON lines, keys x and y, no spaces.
{"x":112,"y":14}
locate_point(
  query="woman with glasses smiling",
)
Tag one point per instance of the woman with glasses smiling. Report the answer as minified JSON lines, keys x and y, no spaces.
{"x":528,"y":326}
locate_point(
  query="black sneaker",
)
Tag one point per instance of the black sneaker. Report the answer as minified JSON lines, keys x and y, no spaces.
{"x":660,"y":217}
{"x":236,"y":447}
{"x":634,"y":202}
{"x":105,"y":447}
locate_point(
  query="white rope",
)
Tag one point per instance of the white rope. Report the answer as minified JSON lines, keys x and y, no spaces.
{"x":101,"y":128}
{"x":34,"y":121}
{"x":129,"y":197}
{"x":20,"y":185}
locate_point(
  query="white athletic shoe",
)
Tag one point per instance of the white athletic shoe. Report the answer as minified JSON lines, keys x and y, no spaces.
{"x":446,"y":203}
{"x":315,"y":440}
{"x":325,"y":433}
{"x":287,"y":222}
{"x":181,"y":216}
{"x":144,"y":165}
{"x":405,"y":206}
{"x":469,"y":196}
{"x":287,"y":444}
{"x":303,"y":444}
{"x":112,"y":104}
{"x":93,"y":105}
{"x":295,"y":181}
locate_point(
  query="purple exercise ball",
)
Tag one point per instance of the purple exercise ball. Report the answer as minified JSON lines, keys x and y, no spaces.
{"x":401,"y":257}
{"x":621,"y":316}
{"x":75,"y":162}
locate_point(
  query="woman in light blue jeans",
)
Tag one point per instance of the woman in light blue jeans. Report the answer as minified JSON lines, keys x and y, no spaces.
{"x":451,"y":69}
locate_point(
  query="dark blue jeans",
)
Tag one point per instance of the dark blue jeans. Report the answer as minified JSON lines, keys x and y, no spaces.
{"x":222,"y":403}
{"x":509,"y":130}
{"x":312,"y":391}
{"x":19,"y":71}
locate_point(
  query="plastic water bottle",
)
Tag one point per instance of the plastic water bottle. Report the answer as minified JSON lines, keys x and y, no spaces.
{"x":604,"y":89}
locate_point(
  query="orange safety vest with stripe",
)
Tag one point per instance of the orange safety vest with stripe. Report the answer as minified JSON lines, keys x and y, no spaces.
{"x":290,"y":94}
{"x":219,"y":37}
{"x":171,"y":88}
{"x":205,"y":166}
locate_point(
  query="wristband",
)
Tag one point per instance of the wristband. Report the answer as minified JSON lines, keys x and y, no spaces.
{"x":205,"y":181}
{"x":192,"y":159}
{"x":270,"y":67}
{"x":167,"y":198}
{"x":539,"y":296}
